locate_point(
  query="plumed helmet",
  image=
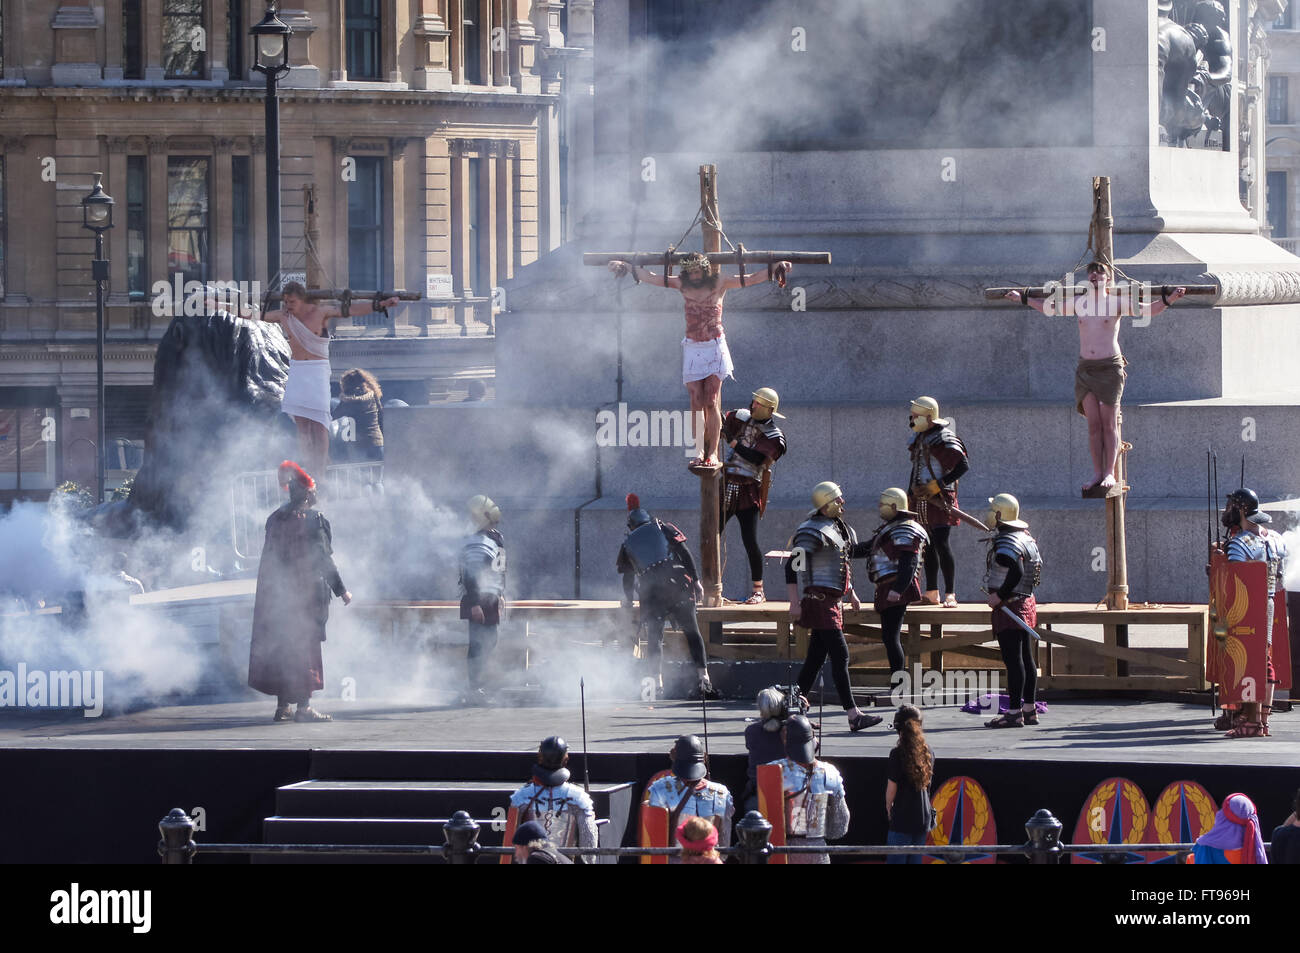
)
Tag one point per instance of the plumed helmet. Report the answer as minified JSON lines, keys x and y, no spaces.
{"x":772,"y":707}
{"x":769,"y":399}
{"x":636,"y":516}
{"x":291,"y":473}
{"x":893,"y":501}
{"x":483,"y":511}
{"x":1005,"y":509}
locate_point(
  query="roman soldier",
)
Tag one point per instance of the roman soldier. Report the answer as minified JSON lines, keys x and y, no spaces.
{"x":482,"y":590}
{"x":1250,"y":541}
{"x":657,"y":567}
{"x":1014,"y":569}
{"x":294,"y":581}
{"x":816,"y":809}
{"x":939,"y":460}
{"x":894,"y":558}
{"x":818,"y":578}
{"x":564,"y":810}
{"x":755,"y":443}
{"x":687,"y":792}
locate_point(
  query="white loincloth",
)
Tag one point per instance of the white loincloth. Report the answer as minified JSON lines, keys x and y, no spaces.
{"x":307,"y":391}
{"x":704,"y":359}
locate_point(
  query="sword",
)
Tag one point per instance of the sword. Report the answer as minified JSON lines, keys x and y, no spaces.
{"x":704,"y":709}
{"x":586,"y":763}
{"x":1020,"y":622}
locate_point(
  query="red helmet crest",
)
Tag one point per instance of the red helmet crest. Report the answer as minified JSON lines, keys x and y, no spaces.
{"x":290,"y":472}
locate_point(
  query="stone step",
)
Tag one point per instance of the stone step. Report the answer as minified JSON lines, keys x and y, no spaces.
{"x":350,"y":830}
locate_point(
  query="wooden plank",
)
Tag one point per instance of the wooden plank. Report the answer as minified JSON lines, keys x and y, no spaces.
{"x":1179,"y":666}
{"x":1139,"y":683}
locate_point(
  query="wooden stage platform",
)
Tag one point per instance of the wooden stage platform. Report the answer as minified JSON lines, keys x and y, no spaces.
{"x":1112,"y":656}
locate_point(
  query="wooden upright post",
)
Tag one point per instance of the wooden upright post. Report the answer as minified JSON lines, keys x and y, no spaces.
{"x":710,"y":483}
{"x":1116,"y":549}
{"x":312,"y":230}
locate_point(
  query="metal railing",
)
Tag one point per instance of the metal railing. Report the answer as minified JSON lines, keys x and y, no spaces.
{"x":753,"y":834}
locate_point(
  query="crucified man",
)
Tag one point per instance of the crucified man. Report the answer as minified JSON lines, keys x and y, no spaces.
{"x":705,"y":358}
{"x":307,"y":391}
{"x":1099,"y":377}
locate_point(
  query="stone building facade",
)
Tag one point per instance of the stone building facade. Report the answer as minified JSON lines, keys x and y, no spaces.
{"x":429,"y":137}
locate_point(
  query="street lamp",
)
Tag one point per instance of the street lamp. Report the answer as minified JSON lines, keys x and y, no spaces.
{"x":97,"y":215}
{"x":271,"y":38}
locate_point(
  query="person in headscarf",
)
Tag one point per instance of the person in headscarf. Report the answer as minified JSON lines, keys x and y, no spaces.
{"x":1235,"y":837}
{"x":699,"y":840}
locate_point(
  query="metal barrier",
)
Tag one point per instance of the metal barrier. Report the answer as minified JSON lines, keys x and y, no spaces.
{"x":254,"y":494}
{"x":461,"y":845}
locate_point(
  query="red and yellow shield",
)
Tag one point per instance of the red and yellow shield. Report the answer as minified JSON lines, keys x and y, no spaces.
{"x":1235,"y":654}
{"x":962,"y":815}
{"x":1183,"y":812}
{"x":1116,"y":812}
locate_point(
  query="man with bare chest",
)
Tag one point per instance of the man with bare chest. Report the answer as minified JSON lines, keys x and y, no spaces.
{"x":307,"y":391}
{"x":1100,"y":375}
{"x":706,"y":361}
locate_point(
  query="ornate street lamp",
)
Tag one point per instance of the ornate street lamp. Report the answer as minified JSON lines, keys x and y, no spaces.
{"x":97,"y":215}
{"x":271,"y":38}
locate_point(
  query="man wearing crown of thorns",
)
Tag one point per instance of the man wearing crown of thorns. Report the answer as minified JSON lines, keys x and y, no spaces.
{"x":706,"y":362}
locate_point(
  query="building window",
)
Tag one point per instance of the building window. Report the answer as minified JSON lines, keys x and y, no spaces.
{"x":1277,"y":93}
{"x":1276,"y":200}
{"x":474,"y":229}
{"x":137,"y":220}
{"x":471,"y":42}
{"x":132,"y":41}
{"x":187,"y":217}
{"x":1287,"y":20}
{"x":363,"y":39}
{"x":184,"y":39}
{"x":366,"y":225}
{"x":241,"y":238}
{"x":236,"y":39}
{"x":27,"y":448}
{"x":3,"y":231}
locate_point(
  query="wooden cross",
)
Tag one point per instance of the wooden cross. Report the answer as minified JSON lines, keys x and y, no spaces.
{"x":711,"y":225}
{"x":1116,"y":548}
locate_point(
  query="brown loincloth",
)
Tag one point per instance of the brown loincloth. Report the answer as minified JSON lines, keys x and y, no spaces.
{"x":1103,"y":377}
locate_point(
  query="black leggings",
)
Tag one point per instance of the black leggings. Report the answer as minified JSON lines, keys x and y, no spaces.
{"x":748,"y":520}
{"x":482,"y":642}
{"x":654,"y":612}
{"x":821,"y":643}
{"x":891,"y":633}
{"x":938,"y":555}
{"x":1022,"y":670}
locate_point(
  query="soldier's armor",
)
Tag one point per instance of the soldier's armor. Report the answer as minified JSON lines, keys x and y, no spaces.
{"x":807,"y":798}
{"x":826,"y":542}
{"x":710,"y":802}
{"x":736,"y":465}
{"x":922,"y":448}
{"x":565,"y":810}
{"x":647,"y":546}
{"x":1023,"y":548}
{"x":483,"y":560}
{"x":896,"y":537}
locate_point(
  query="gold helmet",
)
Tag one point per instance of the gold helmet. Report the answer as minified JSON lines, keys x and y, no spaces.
{"x":924,"y":407}
{"x":695,"y":260}
{"x":893,"y":501}
{"x":768,"y":398}
{"x":483,"y":512}
{"x":1004,"y":509}
{"x":825,"y":494}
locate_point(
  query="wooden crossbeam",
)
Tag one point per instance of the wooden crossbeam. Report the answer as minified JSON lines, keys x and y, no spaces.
{"x":754,"y":257}
{"x":1048,"y":291}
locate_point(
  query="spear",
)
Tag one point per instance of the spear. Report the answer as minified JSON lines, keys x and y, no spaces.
{"x":586,"y":762}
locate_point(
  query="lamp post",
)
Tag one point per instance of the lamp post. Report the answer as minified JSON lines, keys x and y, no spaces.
{"x":271,"y":39}
{"x":97,"y":215}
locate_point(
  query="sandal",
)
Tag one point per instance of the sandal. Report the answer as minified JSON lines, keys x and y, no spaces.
{"x":1009,"y":720}
{"x":282,"y":713}
{"x":864,"y":721}
{"x":1029,"y":717}
{"x":311,"y":714}
{"x":950,"y":601}
{"x":755,"y":598}
{"x":1228,"y":720}
{"x":926,"y":600}
{"x":1247,"y":729}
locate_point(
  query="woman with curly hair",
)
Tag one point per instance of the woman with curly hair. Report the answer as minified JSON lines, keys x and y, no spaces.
{"x":361,"y":399}
{"x":907,"y":795}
